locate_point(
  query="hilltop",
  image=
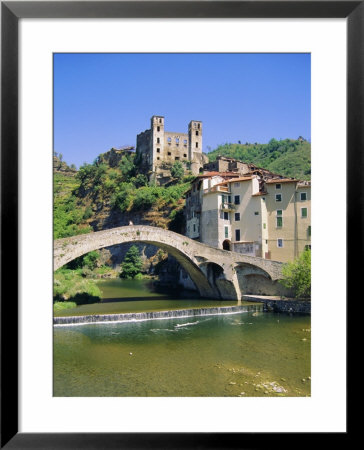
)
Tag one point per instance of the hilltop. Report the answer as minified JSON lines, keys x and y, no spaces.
{"x":288,"y":157}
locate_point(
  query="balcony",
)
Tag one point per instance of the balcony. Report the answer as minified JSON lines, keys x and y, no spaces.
{"x":227,"y":206}
{"x":223,"y":189}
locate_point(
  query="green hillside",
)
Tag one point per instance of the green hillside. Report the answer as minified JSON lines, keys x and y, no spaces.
{"x":287,"y":157}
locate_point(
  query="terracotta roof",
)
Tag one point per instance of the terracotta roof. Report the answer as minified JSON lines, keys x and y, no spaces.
{"x":281,"y":180}
{"x":221,"y":174}
{"x":235,"y":180}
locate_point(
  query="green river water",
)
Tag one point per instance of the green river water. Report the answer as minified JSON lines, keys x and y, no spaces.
{"x":245,"y":354}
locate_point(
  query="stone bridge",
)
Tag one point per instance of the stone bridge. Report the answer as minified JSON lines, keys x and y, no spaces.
{"x":216,"y":273}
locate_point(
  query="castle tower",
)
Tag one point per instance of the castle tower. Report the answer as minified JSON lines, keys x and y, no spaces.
{"x":157,"y":141}
{"x":195,"y":145}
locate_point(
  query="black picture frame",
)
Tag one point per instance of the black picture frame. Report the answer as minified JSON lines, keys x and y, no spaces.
{"x":11,"y":12}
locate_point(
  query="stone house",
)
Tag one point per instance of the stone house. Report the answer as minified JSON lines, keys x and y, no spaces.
{"x":157,"y":149}
{"x":267,"y":217}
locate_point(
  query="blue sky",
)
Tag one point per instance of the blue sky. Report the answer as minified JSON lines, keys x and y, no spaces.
{"x":105,"y":100}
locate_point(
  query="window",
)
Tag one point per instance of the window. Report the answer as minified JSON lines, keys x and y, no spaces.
{"x":160,"y":120}
{"x":169,"y":153}
{"x":256,"y":213}
{"x":303,"y":213}
{"x":236,"y":184}
{"x":237,"y":235}
{"x":185,"y":142}
{"x":176,"y":158}
{"x":158,"y":128}
{"x":309,"y":230}
{"x":237,"y":199}
{"x":226,"y":215}
{"x":229,"y":198}
{"x":278,"y":197}
{"x":196,"y":144}
{"x":198,"y":125}
{"x":223,"y":198}
{"x":158,"y":150}
{"x":279,"y":218}
{"x":226,"y":232}
{"x":196,"y":133}
{"x":169,"y":140}
{"x":158,"y":158}
{"x":194,"y":227}
{"x":184,"y":155}
{"x":221,"y":214}
{"x":158,"y":141}
{"x":177,"y":141}
{"x":303,"y":196}
{"x":279,"y":243}
{"x":278,"y":186}
{"x":237,"y":217}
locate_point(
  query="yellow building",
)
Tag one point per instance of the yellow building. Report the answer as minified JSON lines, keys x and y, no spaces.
{"x":288,"y":206}
{"x":268,"y":217}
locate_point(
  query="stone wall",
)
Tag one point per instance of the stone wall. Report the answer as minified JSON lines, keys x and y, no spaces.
{"x":281,"y":306}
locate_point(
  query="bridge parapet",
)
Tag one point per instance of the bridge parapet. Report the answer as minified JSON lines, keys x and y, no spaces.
{"x":192,"y":256}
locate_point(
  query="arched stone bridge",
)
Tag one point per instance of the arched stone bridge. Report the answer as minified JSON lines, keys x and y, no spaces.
{"x":216,"y":273}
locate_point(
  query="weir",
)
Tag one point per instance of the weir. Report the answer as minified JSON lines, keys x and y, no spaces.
{"x":155,"y":315}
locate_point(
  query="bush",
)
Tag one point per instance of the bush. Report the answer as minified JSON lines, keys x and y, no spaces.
{"x":297,"y":275}
{"x":132,"y":264}
{"x":90,"y":260}
{"x":177,"y":170}
{"x":69,"y":285}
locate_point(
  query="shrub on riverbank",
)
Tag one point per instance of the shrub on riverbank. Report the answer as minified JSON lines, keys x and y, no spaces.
{"x":72,"y":286}
{"x":297,"y":275}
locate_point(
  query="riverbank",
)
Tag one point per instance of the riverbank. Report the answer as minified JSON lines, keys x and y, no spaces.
{"x":281,"y":305}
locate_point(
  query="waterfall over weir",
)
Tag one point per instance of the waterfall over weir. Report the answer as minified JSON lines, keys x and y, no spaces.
{"x":153,"y":315}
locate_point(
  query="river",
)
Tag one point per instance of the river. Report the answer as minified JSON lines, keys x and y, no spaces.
{"x":244,"y":354}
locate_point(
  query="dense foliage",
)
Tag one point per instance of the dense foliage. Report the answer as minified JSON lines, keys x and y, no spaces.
{"x":71,"y":286}
{"x":177,"y":170}
{"x":69,"y":218}
{"x":297,"y":275}
{"x":287,"y":157}
{"x":132,"y":265}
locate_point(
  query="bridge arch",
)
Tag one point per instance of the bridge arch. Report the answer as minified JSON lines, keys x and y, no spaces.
{"x":216,"y":273}
{"x":67,"y":249}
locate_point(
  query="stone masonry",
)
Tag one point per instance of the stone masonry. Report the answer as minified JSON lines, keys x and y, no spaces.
{"x":157,"y":149}
{"x":215,"y":273}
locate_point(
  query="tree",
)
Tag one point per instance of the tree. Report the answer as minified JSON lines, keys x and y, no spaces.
{"x":132,"y":264}
{"x":297,"y":275}
{"x":127,"y":167}
{"x":177,"y":170}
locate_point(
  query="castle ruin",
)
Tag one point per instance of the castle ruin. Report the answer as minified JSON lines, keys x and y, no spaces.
{"x":157,"y":150}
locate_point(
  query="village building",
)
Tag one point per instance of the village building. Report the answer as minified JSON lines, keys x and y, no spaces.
{"x":258,"y":214}
{"x":157,"y":150}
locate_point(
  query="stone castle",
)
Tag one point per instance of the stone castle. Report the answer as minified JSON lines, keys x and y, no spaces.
{"x":157,"y":149}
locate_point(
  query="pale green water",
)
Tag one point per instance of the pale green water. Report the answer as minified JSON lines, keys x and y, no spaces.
{"x":123,"y":296}
{"x":247,"y":354}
